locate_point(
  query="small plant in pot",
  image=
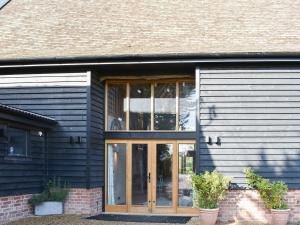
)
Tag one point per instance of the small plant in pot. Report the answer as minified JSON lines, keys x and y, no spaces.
{"x":272,"y":194}
{"x":209,"y":188}
{"x":50,"y":201}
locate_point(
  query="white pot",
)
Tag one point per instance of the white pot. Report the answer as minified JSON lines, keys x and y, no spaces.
{"x":48,"y":208}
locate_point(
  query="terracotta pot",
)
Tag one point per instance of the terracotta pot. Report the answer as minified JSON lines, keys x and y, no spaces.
{"x":208,"y":216}
{"x":280,"y":216}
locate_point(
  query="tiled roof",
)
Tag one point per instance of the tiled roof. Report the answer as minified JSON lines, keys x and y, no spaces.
{"x":26,"y":114}
{"x":68,"y":28}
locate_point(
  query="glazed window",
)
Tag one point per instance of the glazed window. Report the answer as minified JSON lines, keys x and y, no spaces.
{"x":165,"y":106}
{"x":141,"y":105}
{"x":186,"y":167}
{"x":187,"y":106}
{"x":17,"y":142}
{"x":116,"y":174}
{"x":116,"y":108}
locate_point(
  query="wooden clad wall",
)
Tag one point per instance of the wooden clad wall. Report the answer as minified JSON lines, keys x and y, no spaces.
{"x":62,"y":96}
{"x":256,"y":114}
{"x":26,"y":175}
{"x":96,"y":132}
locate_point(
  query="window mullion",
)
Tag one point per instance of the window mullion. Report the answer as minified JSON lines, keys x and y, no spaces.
{"x":177,"y":106}
{"x":127,"y":105}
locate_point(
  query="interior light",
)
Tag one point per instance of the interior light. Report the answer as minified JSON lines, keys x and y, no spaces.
{"x":139,"y":91}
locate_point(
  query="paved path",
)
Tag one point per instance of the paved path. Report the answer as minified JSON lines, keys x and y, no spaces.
{"x":77,"y":220}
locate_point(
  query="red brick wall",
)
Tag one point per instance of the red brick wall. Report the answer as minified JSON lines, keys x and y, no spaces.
{"x":14,"y":207}
{"x":84,"y":201}
{"x":246,"y":205}
{"x":80,"y":201}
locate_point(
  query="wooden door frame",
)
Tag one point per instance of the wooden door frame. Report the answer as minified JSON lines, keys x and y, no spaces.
{"x":164,"y":209}
{"x":128,"y":208}
{"x":135,"y":208}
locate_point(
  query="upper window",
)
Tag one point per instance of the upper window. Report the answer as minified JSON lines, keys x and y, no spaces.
{"x":17,"y":142}
{"x":165,"y":105}
{"x":140,"y":106}
{"x":116,"y":110}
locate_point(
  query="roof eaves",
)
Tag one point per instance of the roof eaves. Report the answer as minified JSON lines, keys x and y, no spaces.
{"x":27,"y":114}
{"x":151,"y":58}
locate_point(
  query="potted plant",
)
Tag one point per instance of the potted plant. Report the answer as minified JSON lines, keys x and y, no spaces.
{"x":50,"y":201}
{"x":209,"y":189}
{"x":272,"y":194}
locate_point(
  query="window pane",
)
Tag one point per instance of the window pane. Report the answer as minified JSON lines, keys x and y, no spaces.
{"x":164,"y":155}
{"x":140,"y":106}
{"x":17,"y":145}
{"x":116,"y":103}
{"x":165,"y":106}
{"x":139,"y":174}
{"x":187,"y":106}
{"x":116,"y":174}
{"x":186,"y":167}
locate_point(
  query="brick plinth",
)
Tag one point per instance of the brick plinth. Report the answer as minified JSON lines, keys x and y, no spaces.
{"x":80,"y":201}
{"x":14,"y":207}
{"x":246,"y":205}
{"x":84,"y":201}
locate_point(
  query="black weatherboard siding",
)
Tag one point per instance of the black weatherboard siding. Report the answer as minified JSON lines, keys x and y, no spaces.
{"x":62,"y":96}
{"x":256,"y":114}
{"x":96,"y":132}
{"x":22,"y":175}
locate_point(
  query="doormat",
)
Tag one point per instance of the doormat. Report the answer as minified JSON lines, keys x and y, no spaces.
{"x":142,"y":218}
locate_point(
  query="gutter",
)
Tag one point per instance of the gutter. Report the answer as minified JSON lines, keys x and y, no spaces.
{"x":150,"y":59}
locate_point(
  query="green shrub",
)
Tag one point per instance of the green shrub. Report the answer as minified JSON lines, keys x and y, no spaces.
{"x":272,"y":193}
{"x":54,"y":191}
{"x":210,"y":188}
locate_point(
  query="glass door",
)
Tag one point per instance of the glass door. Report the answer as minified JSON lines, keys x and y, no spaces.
{"x":139,"y":178}
{"x":149,"y":176}
{"x":164,"y":177}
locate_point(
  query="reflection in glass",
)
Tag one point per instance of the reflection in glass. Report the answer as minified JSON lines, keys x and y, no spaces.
{"x":17,"y":142}
{"x":140,"y":106}
{"x":116,"y":174}
{"x":164,"y":155}
{"x":139,"y":174}
{"x":186,"y":167}
{"x":187,"y":106}
{"x":116,"y":107}
{"x":165,"y":106}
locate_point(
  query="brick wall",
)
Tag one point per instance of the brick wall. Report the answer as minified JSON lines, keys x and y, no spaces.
{"x":84,"y":201}
{"x":246,"y":205}
{"x":14,"y":207}
{"x":80,"y":201}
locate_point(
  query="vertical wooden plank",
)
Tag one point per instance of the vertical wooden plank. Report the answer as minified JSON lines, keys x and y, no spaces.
{"x":106,"y":105}
{"x":175,"y":176}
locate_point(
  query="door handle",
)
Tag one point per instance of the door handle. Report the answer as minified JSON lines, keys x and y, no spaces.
{"x":149,"y":177}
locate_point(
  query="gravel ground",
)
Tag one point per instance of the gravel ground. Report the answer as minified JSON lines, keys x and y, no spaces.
{"x":77,"y":220}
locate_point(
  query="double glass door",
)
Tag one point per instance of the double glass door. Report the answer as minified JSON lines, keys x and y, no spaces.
{"x":149,"y":176}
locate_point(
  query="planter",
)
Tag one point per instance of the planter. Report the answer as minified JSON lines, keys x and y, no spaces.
{"x":208,"y":216}
{"x":280,"y":216}
{"x":48,"y":208}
